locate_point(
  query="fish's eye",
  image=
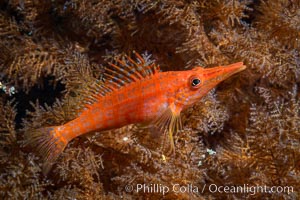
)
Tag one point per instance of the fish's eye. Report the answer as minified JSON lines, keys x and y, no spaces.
{"x":195,"y":82}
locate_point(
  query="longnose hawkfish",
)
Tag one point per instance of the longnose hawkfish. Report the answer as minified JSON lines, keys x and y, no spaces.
{"x":133,"y":91}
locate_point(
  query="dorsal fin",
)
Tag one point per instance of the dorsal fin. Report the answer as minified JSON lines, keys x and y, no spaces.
{"x":127,"y":70}
{"x":122,"y":71}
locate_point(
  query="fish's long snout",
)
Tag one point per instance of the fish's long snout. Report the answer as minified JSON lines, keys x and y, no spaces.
{"x":218,"y":74}
{"x":234,"y":68}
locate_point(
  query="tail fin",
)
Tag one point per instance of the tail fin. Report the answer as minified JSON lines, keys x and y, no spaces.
{"x":49,"y":143}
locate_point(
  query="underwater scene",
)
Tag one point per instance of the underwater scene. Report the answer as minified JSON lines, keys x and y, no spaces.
{"x":150,"y":99}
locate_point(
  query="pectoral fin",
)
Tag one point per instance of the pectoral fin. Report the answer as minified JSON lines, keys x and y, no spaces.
{"x":168,"y":122}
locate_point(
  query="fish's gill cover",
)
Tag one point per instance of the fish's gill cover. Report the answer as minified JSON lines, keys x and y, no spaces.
{"x":244,"y":132}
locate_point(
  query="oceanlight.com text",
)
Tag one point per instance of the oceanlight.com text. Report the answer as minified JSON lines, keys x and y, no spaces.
{"x":250,"y":189}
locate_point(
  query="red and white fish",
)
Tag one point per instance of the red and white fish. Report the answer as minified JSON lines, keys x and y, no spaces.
{"x":133,"y":92}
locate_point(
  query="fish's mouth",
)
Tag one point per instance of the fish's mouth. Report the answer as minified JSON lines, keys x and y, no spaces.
{"x":218,"y":74}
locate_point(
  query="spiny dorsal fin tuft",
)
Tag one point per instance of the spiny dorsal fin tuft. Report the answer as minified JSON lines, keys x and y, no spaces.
{"x":122,"y":71}
{"x":126,"y":70}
